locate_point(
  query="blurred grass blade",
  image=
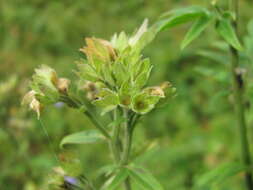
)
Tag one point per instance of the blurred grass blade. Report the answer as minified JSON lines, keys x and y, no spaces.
{"x":214,"y":56}
{"x":116,"y":180}
{"x":218,"y":175}
{"x":227,"y":32}
{"x":144,"y":179}
{"x":84,"y":137}
{"x":197,"y":28}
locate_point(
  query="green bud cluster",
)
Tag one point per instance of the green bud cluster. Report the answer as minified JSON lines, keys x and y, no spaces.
{"x":46,"y":89}
{"x":120,"y":72}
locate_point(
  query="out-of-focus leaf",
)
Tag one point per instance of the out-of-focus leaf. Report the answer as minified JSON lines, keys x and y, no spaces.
{"x":227,"y":32}
{"x":197,"y":28}
{"x":215,"y":56}
{"x":116,"y":180}
{"x":84,"y":137}
{"x":185,"y":10}
{"x":180,"y":16}
{"x":220,"y":174}
{"x":144,"y":179}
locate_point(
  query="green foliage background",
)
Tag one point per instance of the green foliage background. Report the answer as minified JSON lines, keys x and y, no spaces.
{"x":195,"y":133}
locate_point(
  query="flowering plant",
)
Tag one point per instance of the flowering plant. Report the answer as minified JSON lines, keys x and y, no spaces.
{"x":113,"y":78}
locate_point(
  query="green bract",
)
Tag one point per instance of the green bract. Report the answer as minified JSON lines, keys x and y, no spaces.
{"x":122,"y":72}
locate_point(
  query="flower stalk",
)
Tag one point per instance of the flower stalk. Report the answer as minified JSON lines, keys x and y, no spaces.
{"x":238,"y":90}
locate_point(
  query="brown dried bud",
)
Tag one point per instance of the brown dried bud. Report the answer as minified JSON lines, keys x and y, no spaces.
{"x":155,"y":91}
{"x":63,"y":85}
{"x":33,"y":103}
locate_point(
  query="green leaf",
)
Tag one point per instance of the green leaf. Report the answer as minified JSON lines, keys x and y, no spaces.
{"x":197,"y":28}
{"x":142,"y":73}
{"x":107,"y":100}
{"x":87,"y":72}
{"x":116,"y":180}
{"x":180,"y":16}
{"x":181,"y":11}
{"x":84,"y":137}
{"x":144,"y":179}
{"x":120,"y":42}
{"x":220,"y":174}
{"x":146,"y":38}
{"x":213,"y":55}
{"x":227,"y":32}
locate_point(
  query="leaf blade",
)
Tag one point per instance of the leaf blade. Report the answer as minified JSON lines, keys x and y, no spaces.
{"x":144,"y":179}
{"x":197,"y":28}
{"x":220,"y":174}
{"x":180,"y":16}
{"x":227,"y":32}
{"x":116,"y":180}
{"x":84,"y":137}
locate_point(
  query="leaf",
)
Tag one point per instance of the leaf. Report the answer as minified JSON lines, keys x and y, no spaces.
{"x":214,"y":56}
{"x":220,"y":174}
{"x":197,"y":28}
{"x":107,"y":100}
{"x":84,"y":137}
{"x":181,"y":16}
{"x":87,"y":72}
{"x":116,"y":180}
{"x":120,"y":42}
{"x":180,"y":11}
{"x":147,"y":37}
{"x":144,"y":179}
{"x":143,"y":75}
{"x":227,"y":32}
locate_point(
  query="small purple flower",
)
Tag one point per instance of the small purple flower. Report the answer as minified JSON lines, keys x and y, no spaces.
{"x":59,"y":104}
{"x":71,"y":180}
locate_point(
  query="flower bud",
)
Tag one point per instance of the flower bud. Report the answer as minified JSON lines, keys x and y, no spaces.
{"x":44,"y":83}
{"x":63,"y":85}
{"x":155,"y":91}
{"x":34,"y":104}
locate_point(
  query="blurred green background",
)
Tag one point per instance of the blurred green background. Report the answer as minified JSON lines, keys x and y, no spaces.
{"x":195,"y":133}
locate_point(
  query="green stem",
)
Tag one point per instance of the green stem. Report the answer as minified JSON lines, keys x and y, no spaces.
{"x":115,"y":142}
{"x":127,"y":141}
{"x":127,"y":146}
{"x":72,"y":102}
{"x":238,"y":91}
{"x":97,"y":124}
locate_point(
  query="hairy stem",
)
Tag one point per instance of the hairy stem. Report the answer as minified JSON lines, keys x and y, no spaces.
{"x":127,"y":147}
{"x":98,"y":125}
{"x":72,"y":102}
{"x":127,"y":141}
{"x":115,"y":142}
{"x":238,"y":91}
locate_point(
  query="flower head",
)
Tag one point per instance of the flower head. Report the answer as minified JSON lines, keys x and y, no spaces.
{"x":123,"y":72}
{"x":46,"y":89}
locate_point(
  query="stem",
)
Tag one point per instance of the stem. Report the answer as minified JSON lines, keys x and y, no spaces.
{"x":122,"y":156}
{"x":115,"y":142}
{"x":239,"y":103}
{"x":70,"y":101}
{"x":127,"y":141}
{"x":127,"y":147}
{"x":97,"y":124}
